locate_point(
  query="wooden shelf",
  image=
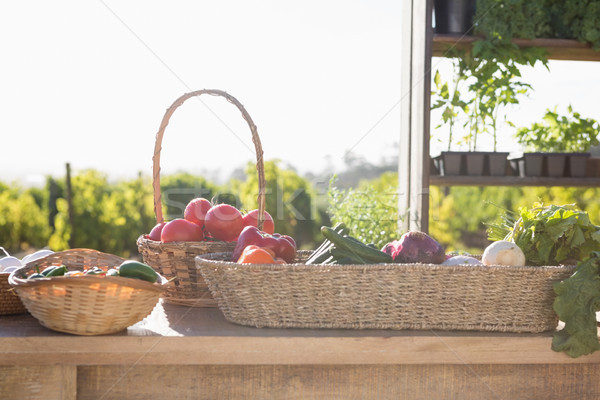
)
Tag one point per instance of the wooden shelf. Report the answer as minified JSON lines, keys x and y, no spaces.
{"x":460,"y":180}
{"x":558,"y":49}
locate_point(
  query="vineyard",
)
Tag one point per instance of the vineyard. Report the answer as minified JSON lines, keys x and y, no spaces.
{"x":88,"y":210}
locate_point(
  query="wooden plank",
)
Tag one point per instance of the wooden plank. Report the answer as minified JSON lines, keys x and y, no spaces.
{"x":412,"y":348}
{"x":558,"y":49}
{"x":37,"y":382}
{"x":459,"y":180}
{"x":462,"y":381}
{"x":414,"y":136}
{"x":404,"y":150}
{"x":174,"y":335}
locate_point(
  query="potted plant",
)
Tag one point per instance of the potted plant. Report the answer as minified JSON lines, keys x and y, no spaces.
{"x":561,"y":141}
{"x":454,"y":16}
{"x":490,"y":74}
{"x":453,"y":105}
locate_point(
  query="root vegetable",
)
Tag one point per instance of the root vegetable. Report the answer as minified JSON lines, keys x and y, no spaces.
{"x":462,"y":260}
{"x":416,"y":247}
{"x":503,"y":252}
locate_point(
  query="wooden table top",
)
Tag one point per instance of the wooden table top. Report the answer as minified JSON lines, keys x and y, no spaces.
{"x":174,"y":334}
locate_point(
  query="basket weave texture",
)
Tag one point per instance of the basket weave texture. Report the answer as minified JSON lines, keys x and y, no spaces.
{"x":384,"y":296}
{"x":10,"y":303}
{"x":85,"y":305}
{"x":176,"y":259}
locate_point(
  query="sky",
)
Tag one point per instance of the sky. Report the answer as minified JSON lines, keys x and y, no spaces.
{"x":88,"y":82}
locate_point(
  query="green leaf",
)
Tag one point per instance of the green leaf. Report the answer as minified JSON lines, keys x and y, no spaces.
{"x":577,"y":300}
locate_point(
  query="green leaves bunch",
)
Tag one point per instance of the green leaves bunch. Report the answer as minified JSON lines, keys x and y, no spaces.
{"x":576,"y":303}
{"x":549,"y":235}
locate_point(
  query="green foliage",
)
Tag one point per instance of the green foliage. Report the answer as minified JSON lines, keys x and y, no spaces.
{"x":109,"y":216}
{"x":576,"y":303}
{"x":492,"y":76}
{"x":23,"y":219}
{"x":490,"y":71}
{"x":567,"y":19}
{"x":447,"y":96}
{"x":178,"y":189}
{"x":577,"y":19}
{"x":460,"y":216}
{"x":507,"y":19}
{"x":290,"y":200}
{"x":370,"y":211}
{"x":560,"y":133}
{"x":106,"y":217}
{"x":549,"y":235}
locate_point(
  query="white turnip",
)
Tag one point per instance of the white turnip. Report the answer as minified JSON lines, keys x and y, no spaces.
{"x":462,"y":260}
{"x":503,"y":252}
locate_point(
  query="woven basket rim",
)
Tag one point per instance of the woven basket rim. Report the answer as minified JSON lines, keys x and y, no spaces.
{"x":75,"y":281}
{"x":144,"y":240}
{"x":255,"y":139}
{"x":215,"y":259}
{"x":16,"y":281}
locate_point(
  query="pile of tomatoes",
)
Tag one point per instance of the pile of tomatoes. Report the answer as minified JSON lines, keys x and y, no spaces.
{"x":203,"y":220}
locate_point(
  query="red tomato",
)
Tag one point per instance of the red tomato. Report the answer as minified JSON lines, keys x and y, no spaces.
{"x":156,"y":232}
{"x":181,"y":230}
{"x":224,"y":222}
{"x":196,"y":210}
{"x":251,"y":218}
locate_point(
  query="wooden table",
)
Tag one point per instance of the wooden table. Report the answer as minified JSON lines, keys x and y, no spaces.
{"x":192,"y":353}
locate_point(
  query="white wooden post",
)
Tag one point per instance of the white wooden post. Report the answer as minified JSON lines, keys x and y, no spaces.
{"x":413,"y":166}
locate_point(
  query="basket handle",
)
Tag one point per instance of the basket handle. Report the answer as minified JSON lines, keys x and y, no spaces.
{"x":255,"y":139}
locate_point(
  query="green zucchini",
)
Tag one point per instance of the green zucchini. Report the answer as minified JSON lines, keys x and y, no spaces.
{"x":367,"y":253}
{"x":138,"y":270}
{"x":349,"y":257}
{"x":320,"y":254}
{"x":58,"y":271}
{"x":49,"y":269}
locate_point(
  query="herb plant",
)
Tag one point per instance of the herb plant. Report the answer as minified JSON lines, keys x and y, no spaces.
{"x":560,"y":133}
{"x":447,"y":96}
{"x":370,"y":212}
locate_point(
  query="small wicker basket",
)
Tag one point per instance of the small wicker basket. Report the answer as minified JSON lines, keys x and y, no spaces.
{"x":10,"y":303}
{"x":85,"y":305}
{"x":176,"y":259}
{"x":384,"y":296}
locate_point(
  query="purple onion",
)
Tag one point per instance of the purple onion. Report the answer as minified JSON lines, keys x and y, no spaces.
{"x":416,"y":247}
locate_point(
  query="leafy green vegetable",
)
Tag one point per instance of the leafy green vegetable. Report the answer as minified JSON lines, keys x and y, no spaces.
{"x":577,"y":300}
{"x":549,"y":235}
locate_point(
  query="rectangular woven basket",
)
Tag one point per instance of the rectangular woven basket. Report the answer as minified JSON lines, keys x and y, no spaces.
{"x":175,"y":260}
{"x":384,"y":296}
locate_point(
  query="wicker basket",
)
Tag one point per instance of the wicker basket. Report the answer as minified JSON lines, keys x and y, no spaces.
{"x":384,"y":296}
{"x":85,"y":305}
{"x":176,"y":259}
{"x":10,"y":303}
